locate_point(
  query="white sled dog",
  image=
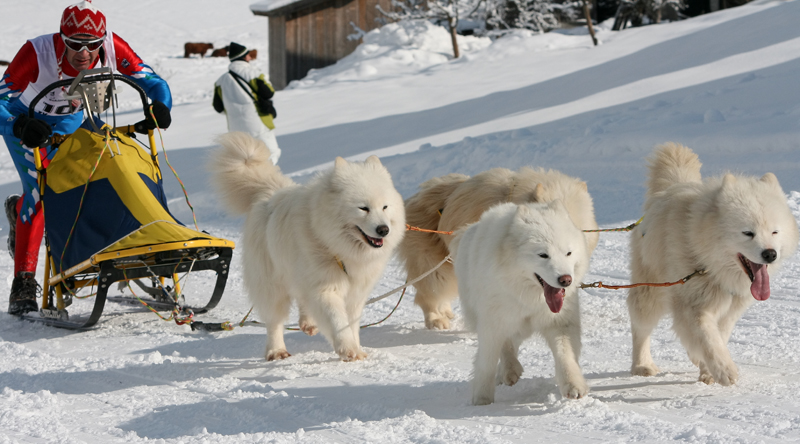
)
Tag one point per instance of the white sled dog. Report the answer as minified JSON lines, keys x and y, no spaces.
{"x":518,"y":270}
{"x":738,"y":229}
{"x":450,"y":202}
{"x":323,"y":245}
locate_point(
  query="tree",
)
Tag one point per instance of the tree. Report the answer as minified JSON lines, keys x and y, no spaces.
{"x":642,"y":12}
{"x":535,"y":15}
{"x":448,"y":11}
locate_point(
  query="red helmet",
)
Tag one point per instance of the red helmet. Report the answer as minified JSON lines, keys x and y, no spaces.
{"x":83,"y":18}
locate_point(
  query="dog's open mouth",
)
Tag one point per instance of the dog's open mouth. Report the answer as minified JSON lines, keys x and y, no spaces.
{"x":758,"y":275}
{"x":374,"y":242}
{"x":552,"y":295}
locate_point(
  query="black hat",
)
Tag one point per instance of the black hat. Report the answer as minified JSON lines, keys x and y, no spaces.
{"x":236,"y":51}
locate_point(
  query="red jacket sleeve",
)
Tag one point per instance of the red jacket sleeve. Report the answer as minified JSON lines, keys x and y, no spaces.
{"x":23,"y":70}
{"x":131,"y":65}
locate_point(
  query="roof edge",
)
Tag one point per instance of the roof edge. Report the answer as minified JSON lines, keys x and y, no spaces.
{"x":281,"y":7}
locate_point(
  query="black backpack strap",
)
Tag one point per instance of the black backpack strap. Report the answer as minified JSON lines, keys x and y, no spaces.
{"x":263,"y":104}
{"x":243,"y":83}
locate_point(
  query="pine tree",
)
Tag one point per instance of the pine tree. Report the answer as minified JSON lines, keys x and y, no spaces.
{"x":643,"y":12}
{"x":535,"y":15}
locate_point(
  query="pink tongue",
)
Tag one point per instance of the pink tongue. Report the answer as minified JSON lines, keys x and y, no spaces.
{"x":554,"y":297}
{"x":760,"y":286}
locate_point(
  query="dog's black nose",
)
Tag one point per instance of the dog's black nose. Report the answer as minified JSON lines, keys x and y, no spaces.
{"x":382,"y":230}
{"x":565,"y":281}
{"x":769,"y":255}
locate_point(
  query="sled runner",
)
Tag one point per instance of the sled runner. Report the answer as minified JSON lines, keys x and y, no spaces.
{"x":106,"y":216}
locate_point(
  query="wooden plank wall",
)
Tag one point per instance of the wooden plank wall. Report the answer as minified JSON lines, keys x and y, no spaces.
{"x":316,"y":36}
{"x":277,"y":52}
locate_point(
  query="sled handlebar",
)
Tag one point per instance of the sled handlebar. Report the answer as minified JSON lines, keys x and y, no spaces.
{"x":92,"y":79}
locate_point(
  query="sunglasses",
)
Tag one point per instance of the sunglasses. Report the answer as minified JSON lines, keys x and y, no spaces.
{"x":78,"y":45}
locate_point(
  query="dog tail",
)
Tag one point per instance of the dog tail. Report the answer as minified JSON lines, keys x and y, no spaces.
{"x":243,"y":172}
{"x":423,"y":210}
{"x":426,"y":206}
{"x":421,"y":251}
{"x":672,"y":163}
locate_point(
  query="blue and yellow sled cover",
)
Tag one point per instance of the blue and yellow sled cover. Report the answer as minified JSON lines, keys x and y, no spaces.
{"x":106,"y":195}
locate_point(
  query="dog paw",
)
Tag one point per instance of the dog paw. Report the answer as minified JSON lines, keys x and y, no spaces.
{"x":574,"y":389}
{"x":308,"y":328}
{"x":706,"y":378}
{"x":725,"y":376}
{"x":483,"y":387}
{"x":511,"y":374}
{"x":448,"y":313}
{"x":644,"y":370}
{"x":274,"y":355}
{"x":307,"y":324}
{"x":350,"y":355}
{"x":482,"y":400}
{"x":437,"y":322}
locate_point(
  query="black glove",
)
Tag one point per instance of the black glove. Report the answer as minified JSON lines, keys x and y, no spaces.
{"x":264,"y":91}
{"x":32,"y":131}
{"x":265,"y":107}
{"x":219,"y":106}
{"x":163,"y":117}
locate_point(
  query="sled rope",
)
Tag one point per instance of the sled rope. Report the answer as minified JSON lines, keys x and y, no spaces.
{"x":365,"y":325}
{"x":83,"y":195}
{"x":417,"y":279}
{"x":390,"y":313}
{"x":628,"y":228}
{"x":174,"y":314}
{"x":600,"y":284}
{"x":228,"y":326}
{"x":425,"y":230}
{"x":75,"y":295}
{"x":175,"y":173}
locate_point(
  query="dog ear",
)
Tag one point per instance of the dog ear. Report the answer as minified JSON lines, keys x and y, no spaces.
{"x":728,"y":180}
{"x":770,"y":179}
{"x":339,"y":163}
{"x":556,"y":205}
{"x":584,"y":186}
{"x":524,"y":214}
{"x":537,"y":195}
{"x":373,"y":160}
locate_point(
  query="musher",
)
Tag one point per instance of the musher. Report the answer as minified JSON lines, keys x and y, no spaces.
{"x":82,"y":43}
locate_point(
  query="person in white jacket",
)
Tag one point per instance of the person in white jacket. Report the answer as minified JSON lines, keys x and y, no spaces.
{"x":245,"y":96}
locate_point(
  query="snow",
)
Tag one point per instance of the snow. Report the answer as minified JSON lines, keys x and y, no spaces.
{"x":724,"y":84}
{"x":267,"y":6}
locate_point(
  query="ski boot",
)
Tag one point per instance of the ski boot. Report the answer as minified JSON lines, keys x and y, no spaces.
{"x":23,"y":294}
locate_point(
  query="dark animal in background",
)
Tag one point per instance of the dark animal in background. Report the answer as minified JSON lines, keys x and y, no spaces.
{"x":220,"y":52}
{"x":196,"y":48}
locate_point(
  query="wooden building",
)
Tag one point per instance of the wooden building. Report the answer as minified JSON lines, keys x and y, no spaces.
{"x":308,"y":34}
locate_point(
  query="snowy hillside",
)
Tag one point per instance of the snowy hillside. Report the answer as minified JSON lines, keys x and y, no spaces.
{"x":724,"y":84}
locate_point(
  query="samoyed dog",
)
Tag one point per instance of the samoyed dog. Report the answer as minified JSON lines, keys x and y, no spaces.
{"x":518,"y":271}
{"x":322,"y":245}
{"x":450,"y":202}
{"x":738,"y":229}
